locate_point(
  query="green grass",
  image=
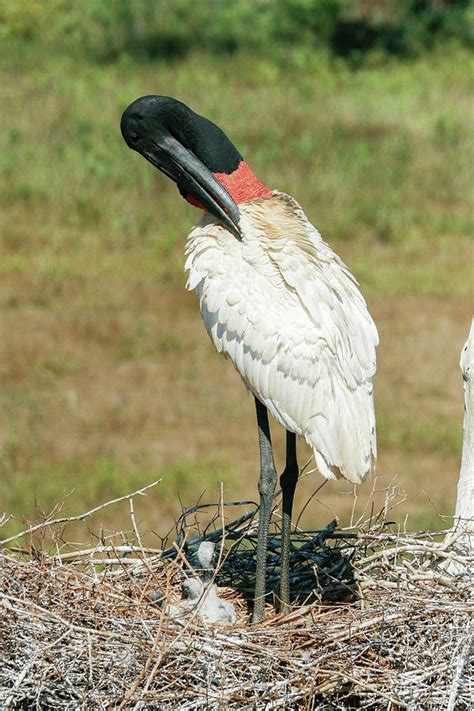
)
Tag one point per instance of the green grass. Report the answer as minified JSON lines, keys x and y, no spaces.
{"x":108,"y":379}
{"x":385,"y":152}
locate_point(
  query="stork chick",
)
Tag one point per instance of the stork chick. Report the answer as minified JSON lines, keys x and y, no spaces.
{"x":275,"y":300}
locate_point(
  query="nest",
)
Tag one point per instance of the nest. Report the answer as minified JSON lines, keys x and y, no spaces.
{"x":381,"y":620}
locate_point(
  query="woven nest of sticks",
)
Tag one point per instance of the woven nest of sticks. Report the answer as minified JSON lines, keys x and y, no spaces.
{"x":381,"y":619}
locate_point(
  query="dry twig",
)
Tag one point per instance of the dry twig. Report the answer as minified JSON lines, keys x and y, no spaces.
{"x":79,"y":629}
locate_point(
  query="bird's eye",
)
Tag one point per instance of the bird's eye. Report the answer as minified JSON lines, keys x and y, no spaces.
{"x":134,"y":137}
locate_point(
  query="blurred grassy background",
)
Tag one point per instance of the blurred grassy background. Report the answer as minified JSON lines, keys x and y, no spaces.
{"x":108,"y":377}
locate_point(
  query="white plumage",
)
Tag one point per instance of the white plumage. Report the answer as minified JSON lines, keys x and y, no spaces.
{"x":287,"y":312}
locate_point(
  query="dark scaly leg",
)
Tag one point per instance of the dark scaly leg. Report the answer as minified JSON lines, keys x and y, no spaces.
{"x":288,"y":485}
{"x":266,"y":488}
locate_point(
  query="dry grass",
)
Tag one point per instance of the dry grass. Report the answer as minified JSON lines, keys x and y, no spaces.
{"x":79,"y":629}
{"x":111,"y":424}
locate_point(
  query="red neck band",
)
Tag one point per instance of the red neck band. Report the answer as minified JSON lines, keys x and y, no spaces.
{"x":241,"y":185}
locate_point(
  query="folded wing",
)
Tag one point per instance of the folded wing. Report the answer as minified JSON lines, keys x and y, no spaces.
{"x":289,"y":315}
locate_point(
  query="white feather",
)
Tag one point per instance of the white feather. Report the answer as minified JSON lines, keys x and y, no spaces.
{"x":289,"y":315}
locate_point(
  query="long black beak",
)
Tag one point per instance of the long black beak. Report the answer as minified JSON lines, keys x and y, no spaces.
{"x":192,"y":176}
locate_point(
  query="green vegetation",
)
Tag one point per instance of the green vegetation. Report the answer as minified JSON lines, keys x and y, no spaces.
{"x":109,"y":380}
{"x":107,"y":29}
{"x":373,"y":156}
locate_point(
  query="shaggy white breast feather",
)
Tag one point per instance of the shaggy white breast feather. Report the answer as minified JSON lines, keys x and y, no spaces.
{"x":289,"y":315}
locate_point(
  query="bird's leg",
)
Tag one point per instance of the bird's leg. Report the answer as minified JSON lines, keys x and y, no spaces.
{"x":288,"y":485}
{"x":266,"y":488}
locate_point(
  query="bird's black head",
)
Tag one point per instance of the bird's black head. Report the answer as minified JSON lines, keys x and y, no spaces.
{"x":188,"y":148}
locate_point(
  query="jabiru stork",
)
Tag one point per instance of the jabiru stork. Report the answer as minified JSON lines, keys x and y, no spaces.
{"x":275,"y":300}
